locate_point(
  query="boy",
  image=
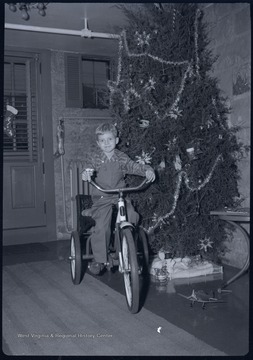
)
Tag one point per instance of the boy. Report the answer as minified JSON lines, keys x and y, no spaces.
{"x":110,"y":166}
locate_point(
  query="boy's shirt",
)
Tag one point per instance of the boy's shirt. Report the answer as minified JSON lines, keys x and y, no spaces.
{"x":110,"y":173}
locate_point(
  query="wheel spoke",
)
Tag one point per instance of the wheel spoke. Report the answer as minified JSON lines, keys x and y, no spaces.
{"x":72,"y":257}
{"x":127,"y":271}
{"x":130,"y":270}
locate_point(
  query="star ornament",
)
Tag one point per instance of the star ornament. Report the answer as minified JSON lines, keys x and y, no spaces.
{"x":145,"y":158}
{"x":205,"y":243}
{"x":174,"y":113}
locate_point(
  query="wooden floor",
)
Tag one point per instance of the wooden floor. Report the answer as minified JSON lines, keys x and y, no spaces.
{"x":45,"y":314}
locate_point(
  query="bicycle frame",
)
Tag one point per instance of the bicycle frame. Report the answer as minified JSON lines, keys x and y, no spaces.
{"x":121,"y":221}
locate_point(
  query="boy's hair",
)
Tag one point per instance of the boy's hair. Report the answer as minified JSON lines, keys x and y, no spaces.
{"x":101,"y":129}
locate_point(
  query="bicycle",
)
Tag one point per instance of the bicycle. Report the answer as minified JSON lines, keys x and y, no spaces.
{"x":129,"y":249}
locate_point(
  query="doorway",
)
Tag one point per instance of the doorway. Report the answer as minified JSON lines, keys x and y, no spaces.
{"x":26,"y":182}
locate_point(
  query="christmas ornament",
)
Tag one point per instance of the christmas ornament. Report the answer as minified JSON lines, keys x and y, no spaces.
{"x":154,"y":217}
{"x":191,"y":153}
{"x":175,"y":112}
{"x":161,"y":274}
{"x":161,"y":166}
{"x":145,"y":158}
{"x":209,"y":123}
{"x":142,"y":39}
{"x":205,"y":243}
{"x":144,"y":123}
{"x":164,"y":78}
{"x":150,"y":85}
{"x":171,"y":143}
{"x":9,"y":116}
{"x":178,"y":163}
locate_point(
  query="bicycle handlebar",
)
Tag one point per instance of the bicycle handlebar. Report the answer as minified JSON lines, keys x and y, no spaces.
{"x":123,"y":190}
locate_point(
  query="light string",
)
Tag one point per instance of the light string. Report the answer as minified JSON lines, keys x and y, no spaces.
{"x":183,"y":175}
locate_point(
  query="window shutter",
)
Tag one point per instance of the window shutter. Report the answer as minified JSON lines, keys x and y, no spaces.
{"x":19,"y":77}
{"x":73,"y":76}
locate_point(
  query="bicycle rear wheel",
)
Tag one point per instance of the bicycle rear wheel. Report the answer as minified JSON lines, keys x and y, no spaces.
{"x":130,"y":271}
{"x":75,"y":258}
{"x":142,"y":250}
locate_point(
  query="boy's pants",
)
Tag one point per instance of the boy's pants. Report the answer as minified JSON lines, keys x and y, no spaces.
{"x":101,"y":212}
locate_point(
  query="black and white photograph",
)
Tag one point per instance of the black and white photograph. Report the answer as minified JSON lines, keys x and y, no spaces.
{"x":126,"y":147}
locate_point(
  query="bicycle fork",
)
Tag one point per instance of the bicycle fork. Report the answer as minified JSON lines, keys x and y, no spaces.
{"x":121,"y":222}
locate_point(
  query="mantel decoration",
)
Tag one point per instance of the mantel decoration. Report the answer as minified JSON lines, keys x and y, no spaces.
{"x":25,"y":8}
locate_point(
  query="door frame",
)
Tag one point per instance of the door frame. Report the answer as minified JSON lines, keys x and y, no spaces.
{"x":48,"y":232}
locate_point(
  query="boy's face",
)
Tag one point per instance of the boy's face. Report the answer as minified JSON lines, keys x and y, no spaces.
{"x":107,"y":142}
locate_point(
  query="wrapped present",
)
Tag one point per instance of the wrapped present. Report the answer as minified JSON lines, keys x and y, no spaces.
{"x":183,"y":267}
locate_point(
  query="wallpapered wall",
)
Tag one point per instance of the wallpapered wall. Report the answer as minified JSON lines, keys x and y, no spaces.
{"x":229,"y":31}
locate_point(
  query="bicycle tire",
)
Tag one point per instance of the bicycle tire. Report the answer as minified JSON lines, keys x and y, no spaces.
{"x":130,"y":271}
{"x":75,"y":258}
{"x":143,"y":249}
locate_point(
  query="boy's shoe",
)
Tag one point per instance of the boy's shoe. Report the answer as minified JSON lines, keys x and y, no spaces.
{"x":95,"y":267}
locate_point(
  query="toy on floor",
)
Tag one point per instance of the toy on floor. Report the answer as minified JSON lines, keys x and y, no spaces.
{"x":201,"y":297}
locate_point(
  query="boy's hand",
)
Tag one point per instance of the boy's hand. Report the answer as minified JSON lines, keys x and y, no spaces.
{"x":150,"y":175}
{"x":86,"y":174}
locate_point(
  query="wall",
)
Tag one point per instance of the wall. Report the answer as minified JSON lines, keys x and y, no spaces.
{"x":230,"y":34}
{"x":80,"y":127}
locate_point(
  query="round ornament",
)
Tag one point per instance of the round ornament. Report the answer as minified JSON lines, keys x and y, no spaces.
{"x":164,"y":78}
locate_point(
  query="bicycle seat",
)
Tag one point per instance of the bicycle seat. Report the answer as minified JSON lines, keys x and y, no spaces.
{"x":84,"y":223}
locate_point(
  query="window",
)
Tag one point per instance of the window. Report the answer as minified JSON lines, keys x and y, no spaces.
{"x":19,"y":92}
{"x":86,"y":81}
{"x":95,"y":74}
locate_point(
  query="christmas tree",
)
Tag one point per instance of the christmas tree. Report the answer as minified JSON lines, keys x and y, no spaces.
{"x":171,"y":114}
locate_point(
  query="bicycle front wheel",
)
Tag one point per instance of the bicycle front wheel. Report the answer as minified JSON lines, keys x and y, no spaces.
{"x":130,"y":271}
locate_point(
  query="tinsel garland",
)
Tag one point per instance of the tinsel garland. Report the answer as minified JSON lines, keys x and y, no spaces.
{"x":113,"y":85}
{"x":181,"y":89}
{"x":156,"y":58}
{"x":183,"y":175}
{"x":198,"y":13}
